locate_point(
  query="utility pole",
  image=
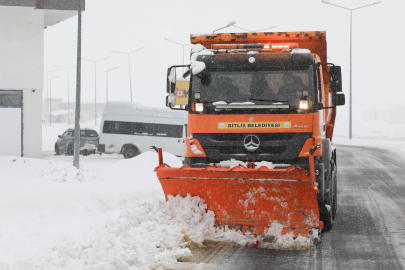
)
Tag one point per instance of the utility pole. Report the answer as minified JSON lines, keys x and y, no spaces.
{"x":95,"y":86}
{"x":351,"y":11}
{"x":78,"y":77}
{"x":68,"y":88}
{"x":129,"y":66}
{"x":47,"y":89}
{"x":106,"y":86}
{"x":50,"y":101}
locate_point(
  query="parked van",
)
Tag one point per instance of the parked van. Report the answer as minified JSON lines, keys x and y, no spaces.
{"x":130,"y":128}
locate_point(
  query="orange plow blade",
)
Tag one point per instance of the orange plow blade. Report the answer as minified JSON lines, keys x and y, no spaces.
{"x":248,"y":199}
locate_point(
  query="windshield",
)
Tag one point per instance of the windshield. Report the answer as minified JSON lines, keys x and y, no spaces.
{"x":271,"y":87}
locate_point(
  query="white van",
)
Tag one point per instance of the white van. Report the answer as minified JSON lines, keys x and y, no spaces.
{"x":130,"y":128}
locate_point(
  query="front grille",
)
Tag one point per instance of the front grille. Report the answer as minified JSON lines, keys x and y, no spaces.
{"x":273,"y":146}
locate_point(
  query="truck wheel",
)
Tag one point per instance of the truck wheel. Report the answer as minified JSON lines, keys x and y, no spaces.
{"x":57,"y":152}
{"x":325,"y":216}
{"x":131,"y":152}
{"x":334,"y":205}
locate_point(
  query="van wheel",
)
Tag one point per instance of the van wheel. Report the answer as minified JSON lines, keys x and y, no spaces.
{"x":131,"y":152}
{"x":57,"y":152}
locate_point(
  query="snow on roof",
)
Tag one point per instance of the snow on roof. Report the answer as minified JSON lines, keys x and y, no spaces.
{"x":135,"y":108}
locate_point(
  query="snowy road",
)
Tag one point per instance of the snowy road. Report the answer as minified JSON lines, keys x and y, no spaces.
{"x":369,"y":232}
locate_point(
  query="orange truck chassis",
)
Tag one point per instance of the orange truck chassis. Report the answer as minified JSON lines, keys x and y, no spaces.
{"x":257,"y":97}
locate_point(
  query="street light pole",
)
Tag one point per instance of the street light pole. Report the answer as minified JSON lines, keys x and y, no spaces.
{"x":95,"y":86}
{"x":47,"y":88}
{"x":106,"y":89}
{"x":67,"y":72}
{"x":50,"y":103}
{"x":129,"y":64}
{"x":350,"y":94}
{"x":183,"y":45}
{"x":76,"y":162}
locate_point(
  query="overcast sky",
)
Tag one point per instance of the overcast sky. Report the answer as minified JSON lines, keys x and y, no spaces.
{"x":125,"y":25}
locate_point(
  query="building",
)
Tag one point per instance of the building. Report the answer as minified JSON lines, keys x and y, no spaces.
{"x":22,"y":24}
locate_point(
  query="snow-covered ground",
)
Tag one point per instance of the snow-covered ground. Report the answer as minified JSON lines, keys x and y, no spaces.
{"x":109,"y":214}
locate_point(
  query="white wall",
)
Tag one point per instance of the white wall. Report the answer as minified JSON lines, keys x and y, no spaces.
{"x":22,"y":66}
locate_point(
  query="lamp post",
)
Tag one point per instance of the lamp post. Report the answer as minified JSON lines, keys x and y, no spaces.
{"x":106,"y":89}
{"x":229,"y":24}
{"x":95,"y":86}
{"x":76,"y":162}
{"x":50,"y":101}
{"x":351,"y":10}
{"x":183,"y":45}
{"x":47,"y":88}
{"x":129,"y":66}
{"x":67,"y":72}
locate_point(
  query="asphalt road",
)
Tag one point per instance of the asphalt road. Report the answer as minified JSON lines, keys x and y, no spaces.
{"x":369,"y":231}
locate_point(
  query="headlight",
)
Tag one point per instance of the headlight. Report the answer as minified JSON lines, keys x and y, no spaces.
{"x":304,"y":104}
{"x":199,"y":107}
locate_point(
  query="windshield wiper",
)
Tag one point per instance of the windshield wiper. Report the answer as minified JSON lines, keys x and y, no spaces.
{"x":271,"y":100}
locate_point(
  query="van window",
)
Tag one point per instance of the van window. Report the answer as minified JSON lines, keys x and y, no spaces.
{"x":172,"y":131}
{"x":143,"y":129}
{"x":117,"y":127}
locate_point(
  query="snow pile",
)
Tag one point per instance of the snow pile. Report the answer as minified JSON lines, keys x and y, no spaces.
{"x":233,"y":163}
{"x":94,"y":235}
{"x":287,"y":241}
{"x":62,"y":171}
{"x":106,"y":216}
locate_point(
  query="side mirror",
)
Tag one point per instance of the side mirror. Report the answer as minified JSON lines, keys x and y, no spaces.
{"x":319,"y":106}
{"x":171,"y":80}
{"x":59,"y":136}
{"x":335,"y":78}
{"x":338,"y":99}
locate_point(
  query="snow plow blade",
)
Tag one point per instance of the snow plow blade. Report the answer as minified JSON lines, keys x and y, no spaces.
{"x":248,"y":199}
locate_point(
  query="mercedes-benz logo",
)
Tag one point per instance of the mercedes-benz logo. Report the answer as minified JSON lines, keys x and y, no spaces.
{"x":251,"y":142}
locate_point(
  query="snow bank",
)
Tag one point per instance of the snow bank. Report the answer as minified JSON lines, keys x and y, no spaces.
{"x":62,"y":171}
{"x":104,"y":217}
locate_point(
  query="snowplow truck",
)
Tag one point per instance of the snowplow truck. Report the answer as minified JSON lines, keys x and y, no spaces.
{"x":266,"y":103}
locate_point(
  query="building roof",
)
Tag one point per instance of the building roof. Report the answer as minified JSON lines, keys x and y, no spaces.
{"x":55,"y":11}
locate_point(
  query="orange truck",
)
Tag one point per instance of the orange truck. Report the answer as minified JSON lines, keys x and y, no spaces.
{"x":266,"y":103}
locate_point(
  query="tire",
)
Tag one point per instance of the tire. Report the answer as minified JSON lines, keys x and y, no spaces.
{"x":70,"y":151}
{"x":131,"y":152}
{"x":334,"y":205}
{"x":325,"y":216}
{"x":57,"y":152}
